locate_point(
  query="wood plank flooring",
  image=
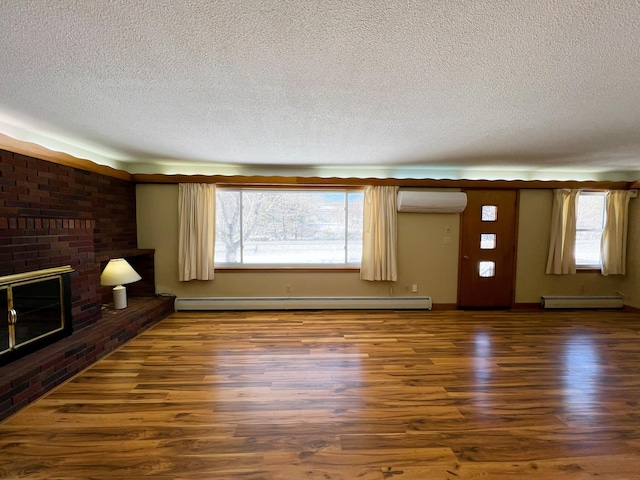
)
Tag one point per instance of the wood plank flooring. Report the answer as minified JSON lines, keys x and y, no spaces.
{"x":347,"y":395}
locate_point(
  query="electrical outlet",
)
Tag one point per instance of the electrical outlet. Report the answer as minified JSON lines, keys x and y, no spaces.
{"x":414,"y":288}
{"x":288,"y":288}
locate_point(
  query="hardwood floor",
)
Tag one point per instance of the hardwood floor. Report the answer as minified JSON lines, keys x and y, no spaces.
{"x":347,"y":395}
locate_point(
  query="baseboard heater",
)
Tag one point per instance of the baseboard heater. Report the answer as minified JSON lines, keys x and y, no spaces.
{"x":581,"y":302}
{"x":303,"y":303}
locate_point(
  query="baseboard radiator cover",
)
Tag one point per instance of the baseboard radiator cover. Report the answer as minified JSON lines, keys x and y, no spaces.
{"x":548,"y":301}
{"x":303,"y":303}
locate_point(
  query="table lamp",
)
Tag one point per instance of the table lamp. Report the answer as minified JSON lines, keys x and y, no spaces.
{"x":118,"y":272}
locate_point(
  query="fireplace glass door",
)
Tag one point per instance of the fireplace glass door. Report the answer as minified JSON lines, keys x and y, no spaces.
{"x":4,"y":320}
{"x":39,"y":309}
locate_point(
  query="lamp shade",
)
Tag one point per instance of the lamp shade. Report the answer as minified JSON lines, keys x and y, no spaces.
{"x":118,"y":272}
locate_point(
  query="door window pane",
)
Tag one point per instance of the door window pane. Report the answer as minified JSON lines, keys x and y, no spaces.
{"x":487,"y":269}
{"x":489,"y":213}
{"x":487,"y":241}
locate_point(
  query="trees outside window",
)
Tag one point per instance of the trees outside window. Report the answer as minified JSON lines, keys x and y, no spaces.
{"x":288,"y":227}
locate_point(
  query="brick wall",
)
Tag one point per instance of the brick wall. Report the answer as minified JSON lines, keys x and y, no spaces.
{"x":50,"y":216}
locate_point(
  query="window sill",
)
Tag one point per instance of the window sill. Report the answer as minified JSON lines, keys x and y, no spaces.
{"x":296,"y":269}
{"x":588,"y":270}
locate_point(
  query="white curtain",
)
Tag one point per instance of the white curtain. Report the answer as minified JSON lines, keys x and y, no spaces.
{"x":613,"y":246}
{"x":379,"y":238}
{"x":196,"y":225}
{"x":562,"y":243}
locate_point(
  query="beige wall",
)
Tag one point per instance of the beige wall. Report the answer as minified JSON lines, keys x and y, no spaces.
{"x":424,"y":259}
{"x":630,"y":285}
{"x":533,"y":246}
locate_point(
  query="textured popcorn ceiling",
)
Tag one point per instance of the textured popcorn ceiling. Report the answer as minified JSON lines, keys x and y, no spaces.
{"x":426,"y":88}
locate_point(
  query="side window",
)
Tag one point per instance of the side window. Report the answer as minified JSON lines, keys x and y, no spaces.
{"x":590,"y":217}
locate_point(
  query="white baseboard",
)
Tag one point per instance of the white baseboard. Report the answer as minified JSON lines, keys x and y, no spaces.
{"x":548,"y":301}
{"x":303,"y":303}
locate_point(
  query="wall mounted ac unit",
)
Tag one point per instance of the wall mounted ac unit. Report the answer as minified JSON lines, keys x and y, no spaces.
{"x":431,"y":202}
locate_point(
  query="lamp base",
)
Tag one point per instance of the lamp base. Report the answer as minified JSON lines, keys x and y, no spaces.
{"x":119,"y":297}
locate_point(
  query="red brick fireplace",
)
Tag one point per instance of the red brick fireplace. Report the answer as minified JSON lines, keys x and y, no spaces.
{"x":53,"y":215}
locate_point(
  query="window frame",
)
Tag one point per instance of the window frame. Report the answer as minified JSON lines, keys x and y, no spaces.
{"x":585,"y":267}
{"x":298,"y":267}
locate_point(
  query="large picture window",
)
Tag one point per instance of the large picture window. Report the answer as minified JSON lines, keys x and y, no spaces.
{"x":590,"y":217}
{"x":288,"y":227}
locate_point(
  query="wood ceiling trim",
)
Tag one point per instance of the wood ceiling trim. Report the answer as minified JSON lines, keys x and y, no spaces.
{"x":36,"y":151}
{"x":42,"y":153}
{"x":241,"y":180}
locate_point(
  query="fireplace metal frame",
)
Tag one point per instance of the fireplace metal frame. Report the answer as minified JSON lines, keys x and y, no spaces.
{"x":55,"y":312}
